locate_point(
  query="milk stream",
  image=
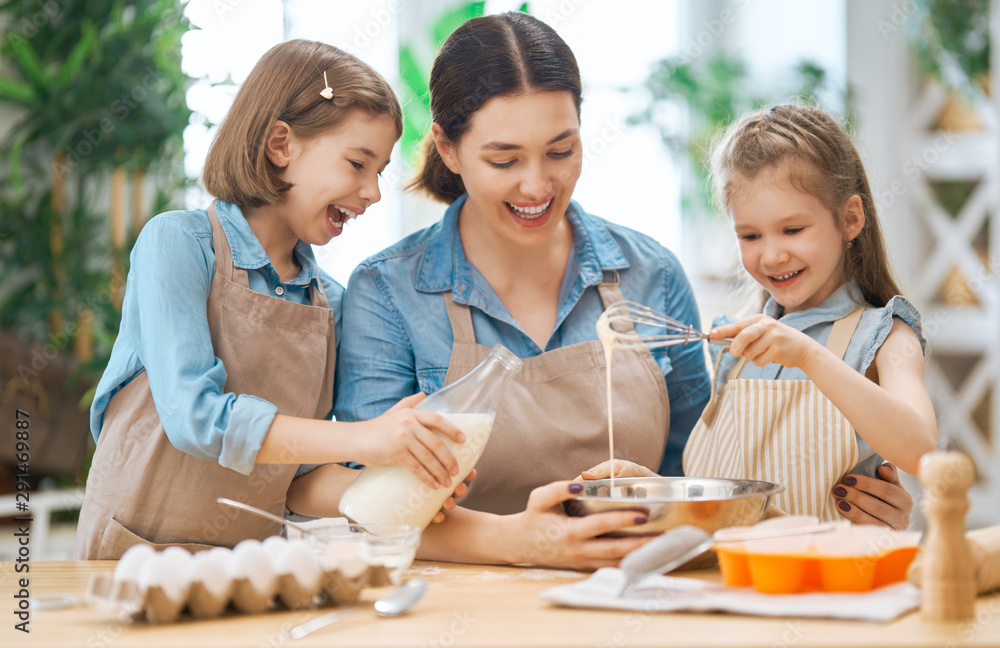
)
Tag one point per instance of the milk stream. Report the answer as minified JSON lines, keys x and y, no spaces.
{"x":394,"y":495}
{"x":607,"y":338}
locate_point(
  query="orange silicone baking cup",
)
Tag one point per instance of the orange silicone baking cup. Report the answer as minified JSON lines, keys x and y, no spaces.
{"x":811,"y":570}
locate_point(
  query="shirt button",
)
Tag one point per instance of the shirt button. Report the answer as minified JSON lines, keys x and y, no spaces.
{"x":279,"y":291}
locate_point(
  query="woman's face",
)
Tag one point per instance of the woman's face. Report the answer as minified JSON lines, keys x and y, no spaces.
{"x":519,"y":161}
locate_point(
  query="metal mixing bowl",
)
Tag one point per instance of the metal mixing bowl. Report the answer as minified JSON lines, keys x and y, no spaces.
{"x":708,"y":503}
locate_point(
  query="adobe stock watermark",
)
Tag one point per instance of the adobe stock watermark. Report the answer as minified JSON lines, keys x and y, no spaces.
{"x":914,"y":168}
{"x":899,"y":13}
{"x":459,"y":625}
{"x":121,"y":108}
{"x":28,"y":26}
{"x":563,"y":12}
{"x":378,"y":21}
{"x":593,"y":149}
{"x":710,"y":31}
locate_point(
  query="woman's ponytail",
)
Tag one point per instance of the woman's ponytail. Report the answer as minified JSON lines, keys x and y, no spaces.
{"x":434,"y":178}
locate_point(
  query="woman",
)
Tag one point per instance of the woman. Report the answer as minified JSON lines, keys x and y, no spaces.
{"x":515,"y":261}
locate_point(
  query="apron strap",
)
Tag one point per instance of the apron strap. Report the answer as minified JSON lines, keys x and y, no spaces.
{"x":461,"y":317}
{"x":708,"y":413}
{"x":843,"y":331}
{"x":837,"y":342}
{"x":461,"y":320}
{"x":223,"y":253}
{"x":611,"y":293}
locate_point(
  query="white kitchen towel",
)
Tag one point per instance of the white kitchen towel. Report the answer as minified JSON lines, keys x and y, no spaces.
{"x":670,"y":594}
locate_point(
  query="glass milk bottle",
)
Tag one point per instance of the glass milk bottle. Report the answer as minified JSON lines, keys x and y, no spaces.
{"x":393,"y":494}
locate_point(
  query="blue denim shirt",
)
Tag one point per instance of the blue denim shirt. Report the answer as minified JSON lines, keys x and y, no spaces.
{"x":397,"y":337}
{"x":873,"y":329}
{"x":164,"y":331}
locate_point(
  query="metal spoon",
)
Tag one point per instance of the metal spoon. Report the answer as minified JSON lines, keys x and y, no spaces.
{"x":396,"y":602}
{"x":663,"y":554}
{"x":264,"y":514}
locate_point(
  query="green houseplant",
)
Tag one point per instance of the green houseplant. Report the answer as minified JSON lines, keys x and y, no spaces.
{"x":98,"y":93}
{"x":692,"y":102}
{"x":951,"y":42}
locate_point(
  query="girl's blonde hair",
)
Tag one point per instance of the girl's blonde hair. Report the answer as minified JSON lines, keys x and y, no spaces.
{"x":807,"y":148}
{"x":285,"y":85}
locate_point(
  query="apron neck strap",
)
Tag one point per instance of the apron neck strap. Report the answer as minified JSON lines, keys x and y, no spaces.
{"x":611,"y":293}
{"x":837,"y":342}
{"x":461,"y":317}
{"x":461,"y":320}
{"x":223,"y":253}
{"x":843,"y":331}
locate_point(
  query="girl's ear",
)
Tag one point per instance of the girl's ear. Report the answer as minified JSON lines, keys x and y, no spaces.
{"x":445,"y":148}
{"x":278,"y":146}
{"x":854,"y":217}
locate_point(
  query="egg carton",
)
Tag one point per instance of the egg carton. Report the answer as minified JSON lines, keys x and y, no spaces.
{"x":239,"y":595}
{"x":164,"y":586}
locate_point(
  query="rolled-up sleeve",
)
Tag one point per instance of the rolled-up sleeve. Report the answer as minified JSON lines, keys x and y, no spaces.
{"x":166,"y":307}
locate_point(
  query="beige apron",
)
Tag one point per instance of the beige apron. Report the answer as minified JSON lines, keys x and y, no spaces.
{"x":553,"y":419}
{"x":783,"y":431}
{"x":141,"y":489}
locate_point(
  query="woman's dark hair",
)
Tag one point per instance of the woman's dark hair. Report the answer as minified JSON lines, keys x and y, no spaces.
{"x":505,"y":54}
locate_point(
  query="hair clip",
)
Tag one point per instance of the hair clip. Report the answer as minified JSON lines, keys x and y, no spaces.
{"x":327,"y":92}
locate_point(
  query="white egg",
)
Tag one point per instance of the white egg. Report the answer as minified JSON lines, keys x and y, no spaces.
{"x":298,"y":559}
{"x":273,"y":545}
{"x":170,"y":570}
{"x":209,"y":567}
{"x":130,"y":564}
{"x":250,"y":561}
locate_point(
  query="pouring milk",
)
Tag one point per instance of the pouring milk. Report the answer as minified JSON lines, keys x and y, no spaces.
{"x":393,"y":494}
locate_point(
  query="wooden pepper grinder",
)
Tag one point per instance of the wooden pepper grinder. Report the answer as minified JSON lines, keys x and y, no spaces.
{"x":948,"y":583}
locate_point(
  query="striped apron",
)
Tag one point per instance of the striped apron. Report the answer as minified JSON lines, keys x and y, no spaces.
{"x":782,"y":431}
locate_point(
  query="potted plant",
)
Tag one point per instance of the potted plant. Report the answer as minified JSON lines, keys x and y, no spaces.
{"x":950,"y":40}
{"x":100,"y":103}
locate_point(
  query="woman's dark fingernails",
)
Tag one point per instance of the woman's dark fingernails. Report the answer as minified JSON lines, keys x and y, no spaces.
{"x":850,"y":481}
{"x":840,"y":491}
{"x":576,"y":487}
{"x":844,"y":506}
{"x":640,"y":520}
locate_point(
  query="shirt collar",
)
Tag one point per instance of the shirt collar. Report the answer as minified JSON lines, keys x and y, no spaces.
{"x":249,"y":254}
{"x":444,"y":265}
{"x":841,"y":303}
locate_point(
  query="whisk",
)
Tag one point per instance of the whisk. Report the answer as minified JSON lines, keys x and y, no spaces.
{"x":627,"y":311}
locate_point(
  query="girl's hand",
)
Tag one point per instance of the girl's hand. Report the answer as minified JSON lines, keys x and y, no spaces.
{"x":623,"y":468}
{"x":404,"y":436}
{"x":547,"y":536}
{"x":450,"y":503}
{"x":762,"y":339}
{"x":881,"y":501}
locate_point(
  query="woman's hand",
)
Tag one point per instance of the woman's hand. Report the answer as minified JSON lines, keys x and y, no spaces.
{"x":450,"y":503}
{"x":884,"y":501}
{"x":623,"y":468}
{"x":762,"y":339}
{"x":547,"y":536}
{"x":404,"y":436}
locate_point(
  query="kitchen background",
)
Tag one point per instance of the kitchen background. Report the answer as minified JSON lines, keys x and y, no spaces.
{"x":107,"y":109}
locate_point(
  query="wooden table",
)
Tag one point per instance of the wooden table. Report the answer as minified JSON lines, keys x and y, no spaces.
{"x":467,"y":606}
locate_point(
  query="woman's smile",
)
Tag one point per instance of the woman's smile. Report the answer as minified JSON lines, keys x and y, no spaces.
{"x":533,"y":214}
